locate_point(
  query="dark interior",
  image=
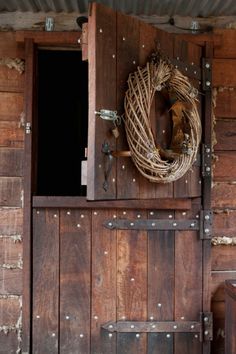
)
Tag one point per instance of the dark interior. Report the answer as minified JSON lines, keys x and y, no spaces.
{"x":62,"y":122}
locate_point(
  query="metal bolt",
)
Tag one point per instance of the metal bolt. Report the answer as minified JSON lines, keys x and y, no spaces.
{"x":105,"y":252}
{"x":184,"y":213}
{"x":143,"y":46}
{"x":95,"y":213}
{"x":95,"y":317}
{"x":67,"y":317}
{"x":182,"y":318}
{"x":53,"y":334}
{"x":207,"y":65}
{"x":151,"y":212}
{"x":153,"y":326}
{"x":55,"y":215}
{"x":132,"y":326}
{"x":81,"y":335}
{"x":192,"y":224}
{"x":207,"y":217}
{"x":113,"y":56}
{"x":174,"y":224}
{"x":206,"y":231}
{"x":110,"y":224}
{"x":196,"y":336}
{"x":100,"y":30}
{"x":68,"y":213}
{"x":110,"y":326}
{"x":163,"y":131}
{"x":192,"y":63}
{"x":186,"y":181}
{"x":78,"y":225}
{"x":123,"y":38}
{"x":170,"y":216}
{"x":208,"y":169}
{"x":131,"y":224}
{"x":195,"y":73}
{"x":37,"y":211}
{"x":138,"y":216}
{"x":132,"y":279}
{"x":175,"y":327}
{"x":192,"y":326}
{"x":124,"y":212}
{"x":153,"y":224}
{"x":110,"y":335}
{"x":168,"y":335}
{"x":151,"y":318}
{"x":134,"y":180}
{"x":208,"y":150}
{"x":37,"y":316}
{"x":197,"y":216}
{"x":113,"y":180}
{"x":200,"y":182}
{"x":159,"y":304}
{"x":114,"y":216}
{"x":186,"y":69}
{"x":137,"y":335}
{"x":208,"y":83}
{"x":206,"y":333}
{"x":205,"y":319}
{"x":177,"y":58}
{"x":79,"y":41}
{"x":134,"y":62}
{"x":82,"y":216}
{"x":123,"y":167}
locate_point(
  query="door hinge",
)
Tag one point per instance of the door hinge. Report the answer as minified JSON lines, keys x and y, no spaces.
{"x":202,"y":329}
{"x":206,"y":160}
{"x":206,"y":74}
{"x":27,"y":128}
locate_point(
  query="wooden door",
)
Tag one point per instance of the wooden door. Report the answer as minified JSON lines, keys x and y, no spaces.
{"x":129,"y":275}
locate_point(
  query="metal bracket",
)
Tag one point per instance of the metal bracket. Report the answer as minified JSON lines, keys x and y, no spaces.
{"x":28,"y":128}
{"x":107,"y":164}
{"x":203,"y":328}
{"x":206,"y":74}
{"x":206,"y":221}
{"x":206,"y":160}
{"x":152,"y":224}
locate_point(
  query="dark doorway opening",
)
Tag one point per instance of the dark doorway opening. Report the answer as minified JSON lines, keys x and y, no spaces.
{"x":62,"y":122}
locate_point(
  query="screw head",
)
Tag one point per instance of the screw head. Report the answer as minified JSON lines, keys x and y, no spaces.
{"x":206,"y":231}
{"x":175,"y":327}
{"x":159,"y":304}
{"x":168,"y":335}
{"x":207,"y":65}
{"x":192,"y":326}
{"x":208,"y":169}
{"x":208,"y":83}
{"x":132,"y":326}
{"x":174,"y":224}
{"x":205,"y":319}
{"x":137,"y":335}
{"x":81,"y":335}
{"x":206,"y":333}
{"x":207,"y":217}
{"x":110,"y":224}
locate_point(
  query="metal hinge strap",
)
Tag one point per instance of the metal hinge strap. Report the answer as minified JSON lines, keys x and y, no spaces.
{"x":206,"y":74}
{"x":206,"y":222}
{"x":152,"y":224}
{"x":206,"y":160}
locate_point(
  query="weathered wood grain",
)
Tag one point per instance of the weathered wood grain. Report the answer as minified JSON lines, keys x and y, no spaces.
{"x":11,"y":281}
{"x":225,"y":166}
{"x":102,"y":59}
{"x":10,"y":252}
{"x":103,"y":278}
{"x":9,"y":47}
{"x":75,"y":260}
{"x":217,"y":284}
{"x":10,"y":311}
{"x":226,"y":49}
{"x":53,"y":38}
{"x":9,"y":342}
{"x":225,"y":135}
{"x":224,"y":223}
{"x":230,"y":318}
{"x":11,"y":106}
{"x":11,"y":191}
{"x":11,"y":80}
{"x":45,"y":281}
{"x":225,"y":104}
{"x":131,"y":282}
{"x":11,"y":220}
{"x":127,"y":62}
{"x":11,"y":134}
{"x":223,"y":258}
{"x":223,"y":72}
{"x":223,"y":195}
{"x":11,"y":162}
{"x":160,"y":283}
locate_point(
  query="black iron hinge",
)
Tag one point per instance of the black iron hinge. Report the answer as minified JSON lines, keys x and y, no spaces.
{"x":206,"y":160}
{"x":206,"y":74}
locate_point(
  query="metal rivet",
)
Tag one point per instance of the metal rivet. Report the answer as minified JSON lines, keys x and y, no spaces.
{"x":151,"y":213}
{"x":175,"y":327}
{"x":110,"y":335}
{"x":134,"y":62}
{"x":192,"y":63}
{"x":37,"y":316}
{"x":208,"y":150}
{"x":132,"y":279}
{"x":208,"y":169}
{"x":197,"y":216}
{"x":153,"y":326}
{"x":163,"y":131}
{"x":186,"y":181}
{"x":55,"y":215}
{"x":110,"y":326}
{"x":186,"y":69}
{"x":153,"y":224}
{"x":195,"y":73}
{"x":207,"y":65}
{"x":168,"y":335}
{"x":79,"y":41}
{"x":177,"y":58}
{"x":105,"y":252}
{"x":131,"y":224}
{"x":37,"y":211}
{"x":95,"y":317}
{"x":123,"y":38}
{"x":53,"y":334}
{"x":196,"y":336}
{"x":151,"y":318}
{"x":137,"y":335}
{"x":134,"y":180}
{"x":113,"y":56}
{"x":82,"y":216}
{"x":206,"y":333}
{"x":138,"y":216}
{"x":114,"y":216}
{"x":67,"y":317}
{"x":170,"y":216}
{"x":192,"y":224}
{"x":132,"y":326}
{"x":100,"y":30}
{"x":123,"y":167}
{"x":123,"y":318}
{"x":81,"y":335}
{"x":208,"y":83}
{"x":159,"y":304}
{"x":124,"y":212}
{"x":78,"y":225}
{"x":184,"y":213}
{"x":200,"y":182}
{"x":205,"y":319}
{"x":174,"y":224}
{"x":143,"y":45}
{"x":207,"y":217}
{"x":206,"y":231}
{"x":110,"y":224}
{"x":113,"y":180}
{"x":100,"y":166}
{"x":192,"y":327}
{"x":95,"y":213}
{"x":182,"y":318}
{"x":68,"y":213}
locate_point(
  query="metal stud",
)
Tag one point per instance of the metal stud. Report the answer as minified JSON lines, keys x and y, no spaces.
{"x":137,"y":335}
{"x":192,"y":326}
{"x":197,"y":216}
{"x":200,"y":182}
{"x":55,"y":215}
{"x":175,"y":327}
{"x":114,"y":216}
{"x":207,"y":217}
{"x":153,"y":326}
{"x":67,"y":317}
{"x":113,"y":56}
{"x":134,"y":62}
{"x":151,"y":318}
{"x":78,"y":225}
{"x":208,"y":168}
{"x":176,"y":66}
{"x":143,"y":45}
{"x":110,"y":326}
{"x":208,"y":150}
{"x":95,"y":317}
{"x":132,"y":326}
{"x":184,"y":213}
{"x":153,"y":224}
{"x":159,"y":304}
{"x":110,"y":335}
{"x":205,"y":319}
{"x":192,"y":63}
{"x":186,"y":69}
{"x":170,"y":216}
{"x":95,"y":213}
{"x":37,"y":316}
{"x":151,"y":213}
{"x":106,"y":253}
{"x":208,"y":83}
{"x":182,"y":318}
{"x":37,"y":211}
{"x":123,"y":38}
{"x":206,"y":231}
{"x":174,"y":224}
{"x":53,"y":334}
{"x":206,"y":333}
{"x":195,"y":73}
{"x":134,"y":180}
{"x":81,"y":335}
{"x":196,"y":336}
{"x":100,"y":166}
{"x":207,"y":65}
{"x":110,"y":224}
{"x":168,"y":335}
{"x":192,"y":224}
{"x":132,"y":279}
{"x":100,"y":30}
{"x":124,"y":212}
{"x":113,"y":180}
{"x":138,"y":216}
{"x":186,"y":181}
{"x":131,"y":224}
{"x":177,"y":58}
{"x":123,"y":167}
{"x":68,"y":213}
{"x":82,"y":216}
{"x":163,"y":131}
{"x":79,"y":40}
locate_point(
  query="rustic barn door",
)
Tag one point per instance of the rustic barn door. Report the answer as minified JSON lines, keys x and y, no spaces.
{"x":129,"y":275}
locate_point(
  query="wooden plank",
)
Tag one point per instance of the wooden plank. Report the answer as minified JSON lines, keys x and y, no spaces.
{"x":10,"y":191}
{"x":128,"y":60}
{"x":11,"y":80}
{"x":9,"y":342}
{"x":218,"y":344}
{"x":45,"y":281}
{"x":103,"y":307}
{"x":10,"y":252}
{"x":225,"y":166}
{"x":223,"y":258}
{"x":225,"y":103}
{"x":223,"y":195}
{"x":131,"y":283}
{"x":75,"y":250}
{"x":10,"y":311}
{"x":50,"y":38}
{"x":217,"y":284}
{"x":188,"y":284}
{"x":225,"y":49}
{"x":81,"y":202}
{"x":224,"y":223}
{"x":160,"y":283}
{"x":9,"y":47}
{"x":11,"y":134}
{"x":11,"y":220}
{"x":102,"y":95}
{"x":11,"y":106}
{"x":11,"y":162}
{"x":225,"y":135}
{"x":11,"y":281}
{"x":230,"y":318}
{"x":223,"y":73}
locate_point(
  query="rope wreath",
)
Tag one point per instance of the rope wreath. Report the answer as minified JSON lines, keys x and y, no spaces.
{"x":153,"y":162}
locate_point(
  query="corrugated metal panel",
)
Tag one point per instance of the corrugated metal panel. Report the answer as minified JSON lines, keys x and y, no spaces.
{"x":194,"y":8}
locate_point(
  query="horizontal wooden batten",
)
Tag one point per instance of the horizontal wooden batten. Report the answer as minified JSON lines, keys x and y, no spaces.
{"x":225,"y":167}
{"x":223,"y":72}
{"x":50,"y":38}
{"x":82,"y":202}
{"x":226,"y":103}
{"x":225,"y":130}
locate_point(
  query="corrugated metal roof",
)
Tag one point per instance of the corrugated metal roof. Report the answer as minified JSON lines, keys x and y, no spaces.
{"x":194,"y":8}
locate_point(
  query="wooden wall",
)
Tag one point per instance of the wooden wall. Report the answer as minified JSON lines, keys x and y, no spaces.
{"x":224,"y":190}
{"x":11,"y":196}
